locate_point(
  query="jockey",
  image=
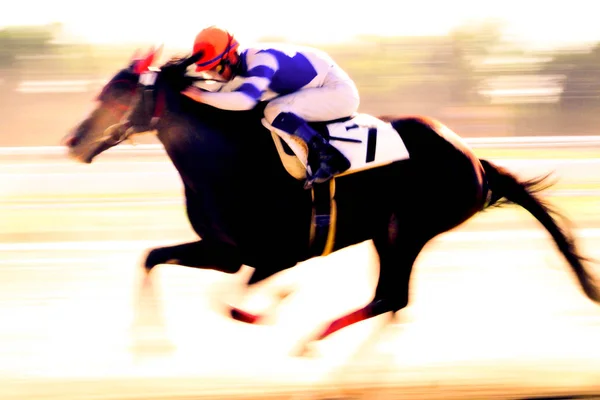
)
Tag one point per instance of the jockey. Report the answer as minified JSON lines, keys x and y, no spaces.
{"x":300,"y":84}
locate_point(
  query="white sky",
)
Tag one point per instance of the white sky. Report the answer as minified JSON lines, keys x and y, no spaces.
{"x":175,"y":22}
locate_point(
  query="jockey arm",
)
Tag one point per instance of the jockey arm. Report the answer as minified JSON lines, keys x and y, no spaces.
{"x":261,"y":68}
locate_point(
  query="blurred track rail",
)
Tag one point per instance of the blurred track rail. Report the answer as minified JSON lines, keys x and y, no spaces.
{"x":511,"y":142}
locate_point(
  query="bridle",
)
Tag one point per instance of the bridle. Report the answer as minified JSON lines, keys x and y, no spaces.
{"x":154,"y":103}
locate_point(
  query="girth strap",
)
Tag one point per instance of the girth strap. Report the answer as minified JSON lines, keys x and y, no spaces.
{"x":323,"y":223}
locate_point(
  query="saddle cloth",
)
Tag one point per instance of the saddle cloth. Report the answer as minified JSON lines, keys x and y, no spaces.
{"x":366,"y":141}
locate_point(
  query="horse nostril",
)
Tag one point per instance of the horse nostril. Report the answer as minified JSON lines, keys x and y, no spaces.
{"x":70,"y":140}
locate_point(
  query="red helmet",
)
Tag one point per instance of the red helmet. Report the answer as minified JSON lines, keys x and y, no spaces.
{"x":218,"y":45}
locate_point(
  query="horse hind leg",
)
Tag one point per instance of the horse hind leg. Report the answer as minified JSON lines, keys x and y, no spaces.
{"x":398,"y":249}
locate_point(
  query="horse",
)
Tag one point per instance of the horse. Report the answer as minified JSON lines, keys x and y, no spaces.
{"x":247,"y":209}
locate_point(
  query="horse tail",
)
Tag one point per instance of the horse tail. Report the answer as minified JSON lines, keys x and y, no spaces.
{"x":506,"y":188}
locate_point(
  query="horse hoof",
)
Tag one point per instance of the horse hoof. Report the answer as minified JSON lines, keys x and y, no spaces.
{"x":151,"y":260}
{"x":305,"y":350}
{"x":243,"y":316}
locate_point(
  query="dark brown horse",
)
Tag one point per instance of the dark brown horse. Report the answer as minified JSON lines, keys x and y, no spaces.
{"x":266,"y":223}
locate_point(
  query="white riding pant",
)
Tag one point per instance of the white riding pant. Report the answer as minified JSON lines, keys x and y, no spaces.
{"x":337,"y":97}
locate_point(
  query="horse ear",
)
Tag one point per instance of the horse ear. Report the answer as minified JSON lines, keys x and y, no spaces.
{"x":143,"y":64}
{"x":135,"y":59}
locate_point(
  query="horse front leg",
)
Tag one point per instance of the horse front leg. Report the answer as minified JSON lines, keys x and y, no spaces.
{"x":203,"y":254}
{"x":254,"y":313}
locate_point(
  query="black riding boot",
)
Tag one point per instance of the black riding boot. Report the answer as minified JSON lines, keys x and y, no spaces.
{"x":324,"y":160}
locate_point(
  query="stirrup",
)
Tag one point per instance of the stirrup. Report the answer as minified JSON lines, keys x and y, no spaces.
{"x":311,"y":178}
{"x":309,"y":181}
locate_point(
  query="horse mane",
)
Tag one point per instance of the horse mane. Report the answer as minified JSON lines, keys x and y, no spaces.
{"x":175,"y":59}
{"x":209,"y":114}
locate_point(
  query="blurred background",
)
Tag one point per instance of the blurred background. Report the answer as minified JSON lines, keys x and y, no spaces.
{"x":494,"y":311}
{"x":486,"y":70}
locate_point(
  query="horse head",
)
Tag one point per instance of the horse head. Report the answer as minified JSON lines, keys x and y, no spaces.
{"x":89,"y":137}
{"x":206,"y":144}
